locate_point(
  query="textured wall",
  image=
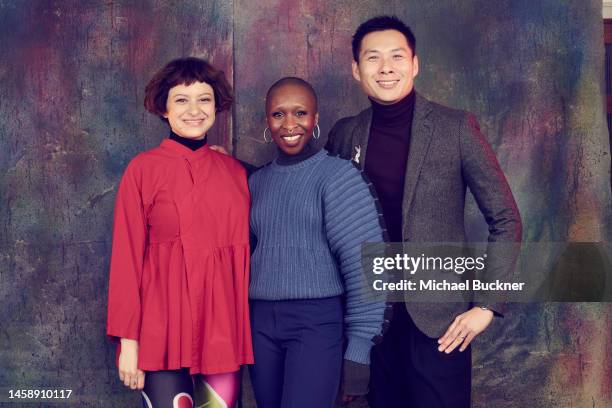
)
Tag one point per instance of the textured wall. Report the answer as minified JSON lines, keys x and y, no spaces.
{"x":532,"y":73}
{"x":73,"y":75}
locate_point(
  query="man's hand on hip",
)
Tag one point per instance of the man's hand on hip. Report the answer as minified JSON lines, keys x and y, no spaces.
{"x":464,"y":328}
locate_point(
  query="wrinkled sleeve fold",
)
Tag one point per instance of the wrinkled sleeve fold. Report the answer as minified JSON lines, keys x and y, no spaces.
{"x":127,"y":259}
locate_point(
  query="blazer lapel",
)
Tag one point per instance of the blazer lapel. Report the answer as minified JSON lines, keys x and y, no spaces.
{"x":422,"y":128}
{"x":360,"y":137}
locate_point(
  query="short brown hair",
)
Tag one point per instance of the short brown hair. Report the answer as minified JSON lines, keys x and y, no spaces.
{"x":186,"y":71}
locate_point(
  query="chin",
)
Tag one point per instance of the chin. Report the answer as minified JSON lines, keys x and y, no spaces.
{"x":388,"y":100}
{"x":192,"y":135}
{"x":293,"y":150}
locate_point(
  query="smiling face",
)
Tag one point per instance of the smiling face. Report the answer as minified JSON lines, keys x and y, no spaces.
{"x":387,"y":67}
{"x":291,"y":113}
{"x":190,"y":109}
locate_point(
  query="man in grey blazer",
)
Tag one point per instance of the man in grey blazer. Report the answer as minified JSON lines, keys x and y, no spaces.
{"x":421,"y":157}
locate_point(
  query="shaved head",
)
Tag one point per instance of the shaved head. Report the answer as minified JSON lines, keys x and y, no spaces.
{"x":293,"y":81}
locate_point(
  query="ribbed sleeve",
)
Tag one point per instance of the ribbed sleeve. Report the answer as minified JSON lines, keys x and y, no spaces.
{"x":351,"y":218}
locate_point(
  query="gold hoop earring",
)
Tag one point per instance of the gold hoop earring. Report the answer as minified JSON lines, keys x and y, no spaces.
{"x":265,"y":138}
{"x":318,"y":135}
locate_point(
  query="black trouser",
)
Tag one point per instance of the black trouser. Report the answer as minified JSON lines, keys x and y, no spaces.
{"x":408,"y":371}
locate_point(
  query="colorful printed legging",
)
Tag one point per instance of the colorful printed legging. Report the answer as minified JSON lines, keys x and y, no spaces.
{"x":175,"y":389}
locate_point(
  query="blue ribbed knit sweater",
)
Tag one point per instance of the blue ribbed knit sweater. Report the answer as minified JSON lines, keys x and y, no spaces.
{"x":310,"y":219}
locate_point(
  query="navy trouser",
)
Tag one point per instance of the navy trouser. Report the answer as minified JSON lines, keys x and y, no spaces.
{"x":408,"y":371}
{"x":298,"y":346}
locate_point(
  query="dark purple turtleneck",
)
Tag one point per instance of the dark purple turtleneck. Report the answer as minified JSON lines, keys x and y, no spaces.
{"x":386,"y":158}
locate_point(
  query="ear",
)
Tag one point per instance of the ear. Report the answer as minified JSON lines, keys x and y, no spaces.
{"x":355,"y":69}
{"x":316,"y":118}
{"x":415,"y":64}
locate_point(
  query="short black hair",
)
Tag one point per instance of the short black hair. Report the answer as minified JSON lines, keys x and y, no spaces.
{"x":382,"y":23}
{"x":293,"y":81}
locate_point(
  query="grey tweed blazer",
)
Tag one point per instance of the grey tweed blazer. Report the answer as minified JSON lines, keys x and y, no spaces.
{"x":447,"y":155}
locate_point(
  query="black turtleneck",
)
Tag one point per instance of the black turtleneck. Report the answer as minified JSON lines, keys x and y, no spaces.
{"x":285,"y":159}
{"x":192,"y":144}
{"x":386,"y":158}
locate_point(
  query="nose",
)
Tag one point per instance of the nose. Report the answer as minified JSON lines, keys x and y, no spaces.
{"x":386,"y":66}
{"x":193,"y":108}
{"x":290,"y":123}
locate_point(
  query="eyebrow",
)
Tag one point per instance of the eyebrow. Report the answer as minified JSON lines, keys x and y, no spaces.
{"x":202,"y":94}
{"x":393,"y":50}
{"x":294,"y":107}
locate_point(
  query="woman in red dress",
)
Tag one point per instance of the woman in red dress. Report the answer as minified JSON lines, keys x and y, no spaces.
{"x":180,"y":258}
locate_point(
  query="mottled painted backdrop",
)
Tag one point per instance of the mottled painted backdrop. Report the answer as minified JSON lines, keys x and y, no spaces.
{"x":73,"y":76}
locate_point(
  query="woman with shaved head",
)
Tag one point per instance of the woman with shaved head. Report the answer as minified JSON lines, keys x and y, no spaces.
{"x":310,"y":214}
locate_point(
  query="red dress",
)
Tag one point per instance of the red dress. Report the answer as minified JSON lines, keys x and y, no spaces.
{"x":180,"y":260}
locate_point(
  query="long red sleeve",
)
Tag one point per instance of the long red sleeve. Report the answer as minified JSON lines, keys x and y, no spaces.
{"x":129,"y":240}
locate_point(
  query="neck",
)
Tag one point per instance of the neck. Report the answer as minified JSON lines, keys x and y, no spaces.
{"x":395,"y":114}
{"x":193,"y":144}
{"x":285,"y":159}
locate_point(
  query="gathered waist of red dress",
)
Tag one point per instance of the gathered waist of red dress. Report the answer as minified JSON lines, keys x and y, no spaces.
{"x":200,"y":247}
